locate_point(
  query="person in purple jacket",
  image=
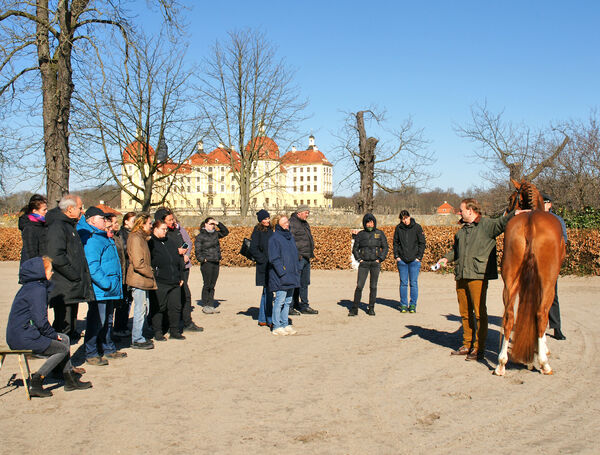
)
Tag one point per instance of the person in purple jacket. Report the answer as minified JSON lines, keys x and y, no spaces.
{"x":28,"y":328}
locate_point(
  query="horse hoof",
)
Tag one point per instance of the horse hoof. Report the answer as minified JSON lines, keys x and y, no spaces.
{"x":498,"y":372}
{"x":549,"y":373}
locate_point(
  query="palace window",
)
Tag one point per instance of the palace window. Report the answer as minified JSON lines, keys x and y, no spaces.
{"x":315,"y":188}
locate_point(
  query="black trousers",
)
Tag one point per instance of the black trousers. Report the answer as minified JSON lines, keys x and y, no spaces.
{"x":554,"y":313}
{"x":367,"y":268}
{"x":165,"y":308}
{"x":65,"y":317}
{"x":186,"y":300}
{"x":210,"y":273}
{"x":59,"y":355}
{"x":122,"y":308}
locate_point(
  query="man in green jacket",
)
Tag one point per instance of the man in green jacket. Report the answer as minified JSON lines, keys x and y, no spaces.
{"x":474,"y":255}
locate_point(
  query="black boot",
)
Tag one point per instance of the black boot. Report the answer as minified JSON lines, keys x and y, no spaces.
{"x":371,"y":310}
{"x":353,"y":311}
{"x":559,"y":335}
{"x":72,"y":382}
{"x":35,"y":387}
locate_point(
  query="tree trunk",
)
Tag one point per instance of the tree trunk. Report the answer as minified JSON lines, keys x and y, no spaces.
{"x":366,"y":166}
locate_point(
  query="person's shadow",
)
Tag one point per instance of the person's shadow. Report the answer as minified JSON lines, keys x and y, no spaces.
{"x":217,"y":302}
{"x":348,"y":304}
{"x":250,"y":312}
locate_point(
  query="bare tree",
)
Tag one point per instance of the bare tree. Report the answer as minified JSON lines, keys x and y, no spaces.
{"x":247,"y":94}
{"x":130,"y":110}
{"x":40,"y":42}
{"x":512,"y":151}
{"x":400,"y":160}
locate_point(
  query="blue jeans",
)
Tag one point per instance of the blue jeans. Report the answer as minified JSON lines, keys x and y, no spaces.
{"x":409,"y":273}
{"x":266,"y":306}
{"x":141,"y":306}
{"x":281,"y":308}
{"x":98,"y":328}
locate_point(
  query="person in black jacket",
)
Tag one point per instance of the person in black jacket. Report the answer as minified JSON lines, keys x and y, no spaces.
{"x":409,"y":247}
{"x":168,"y":269}
{"x":34,"y":231}
{"x":72,"y":280}
{"x":305,"y":243}
{"x":370,"y":249}
{"x":208,"y":254}
{"x":259,"y":248}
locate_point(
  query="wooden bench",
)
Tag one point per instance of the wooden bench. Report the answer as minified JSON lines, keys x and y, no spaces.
{"x":23,"y":363}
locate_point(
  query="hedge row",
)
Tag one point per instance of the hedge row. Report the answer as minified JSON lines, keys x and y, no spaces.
{"x":332,"y":247}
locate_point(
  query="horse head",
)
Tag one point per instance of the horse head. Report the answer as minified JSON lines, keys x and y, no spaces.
{"x":526,"y":196}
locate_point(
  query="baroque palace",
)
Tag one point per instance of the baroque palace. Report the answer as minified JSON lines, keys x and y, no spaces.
{"x":206,"y":181}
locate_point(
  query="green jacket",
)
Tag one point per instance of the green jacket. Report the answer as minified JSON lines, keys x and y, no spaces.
{"x":474,"y":251}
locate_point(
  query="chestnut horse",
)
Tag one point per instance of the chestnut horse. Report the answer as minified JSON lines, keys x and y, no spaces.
{"x":534,"y":250}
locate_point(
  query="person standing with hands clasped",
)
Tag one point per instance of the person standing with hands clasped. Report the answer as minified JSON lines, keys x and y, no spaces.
{"x":208,"y":254}
{"x":475,"y":263}
{"x":409,"y":247}
{"x":370,"y":250}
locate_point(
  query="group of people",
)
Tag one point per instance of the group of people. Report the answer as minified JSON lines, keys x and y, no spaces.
{"x":68,"y":258}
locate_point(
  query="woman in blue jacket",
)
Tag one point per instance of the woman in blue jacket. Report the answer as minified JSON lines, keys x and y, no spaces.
{"x":28,"y":327}
{"x":284,"y":274}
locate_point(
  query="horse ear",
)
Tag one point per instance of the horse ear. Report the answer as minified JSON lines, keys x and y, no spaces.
{"x":515,"y":183}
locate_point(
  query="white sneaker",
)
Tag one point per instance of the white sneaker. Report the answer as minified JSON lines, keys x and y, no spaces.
{"x":280,"y":332}
{"x":290,"y":330}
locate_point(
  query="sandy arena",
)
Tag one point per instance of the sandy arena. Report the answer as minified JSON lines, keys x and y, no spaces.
{"x":365,"y":385}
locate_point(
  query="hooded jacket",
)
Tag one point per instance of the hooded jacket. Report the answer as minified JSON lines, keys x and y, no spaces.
{"x":409,"y":241}
{"x":284,"y":273}
{"x":305,"y":243}
{"x":207,"y":244}
{"x":139,"y":271}
{"x":259,"y":247}
{"x":370,"y":245}
{"x":34,"y":234}
{"x":28,"y":326}
{"x":103,"y":261}
{"x":72,"y":282}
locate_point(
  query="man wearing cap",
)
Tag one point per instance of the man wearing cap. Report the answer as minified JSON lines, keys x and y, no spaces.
{"x":305,"y":243}
{"x":71,"y":279}
{"x":554,"y":313}
{"x":107,"y":281}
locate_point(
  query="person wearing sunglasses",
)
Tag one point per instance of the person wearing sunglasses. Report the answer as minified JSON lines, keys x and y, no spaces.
{"x":208,"y":254}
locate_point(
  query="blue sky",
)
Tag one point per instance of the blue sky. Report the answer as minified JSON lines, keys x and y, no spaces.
{"x":539,"y":61}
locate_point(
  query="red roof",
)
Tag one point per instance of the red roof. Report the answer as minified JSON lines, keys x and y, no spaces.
{"x":136,"y":153}
{"x":267,"y":148}
{"x":445,"y":208}
{"x":106,"y":209}
{"x":305,"y":157}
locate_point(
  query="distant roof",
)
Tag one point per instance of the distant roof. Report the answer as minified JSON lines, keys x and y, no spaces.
{"x":267,"y":148}
{"x":106,"y":209}
{"x":136,"y":153}
{"x":299,"y":157}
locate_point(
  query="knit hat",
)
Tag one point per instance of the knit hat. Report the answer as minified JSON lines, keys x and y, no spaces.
{"x":94,"y":211}
{"x":262,"y":214}
{"x":303,"y":208}
{"x":546,"y":197}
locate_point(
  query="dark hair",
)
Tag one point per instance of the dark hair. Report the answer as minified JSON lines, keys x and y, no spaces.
{"x":207,"y":220}
{"x":404,"y":214}
{"x":158,"y":223}
{"x":128,"y":216}
{"x":262,"y":227}
{"x":35,"y":202}
{"x":110,"y":215}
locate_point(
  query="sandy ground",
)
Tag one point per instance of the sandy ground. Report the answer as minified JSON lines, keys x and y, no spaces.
{"x":364,"y":385}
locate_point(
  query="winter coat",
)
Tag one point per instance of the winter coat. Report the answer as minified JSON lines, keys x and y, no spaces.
{"x":72,"y":281}
{"x":259,"y":248}
{"x":284,"y":273}
{"x":34,"y":234}
{"x":305,"y":243}
{"x":28,"y":326}
{"x":121,"y":237}
{"x":409,"y":242}
{"x":474,"y":250}
{"x":167,"y":263}
{"x":121,"y":253}
{"x":207,"y":244}
{"x":186,"y":239}
{"x":139,"y":272}
{"x":103,"y":261}
{"x":370,"y":245}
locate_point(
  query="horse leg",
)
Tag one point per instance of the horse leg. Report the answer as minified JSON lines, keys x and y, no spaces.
{"x":542,"y":319}
{"x":509,"y":297}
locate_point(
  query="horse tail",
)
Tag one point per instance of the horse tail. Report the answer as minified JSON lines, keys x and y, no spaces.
{"x":530,"y":294}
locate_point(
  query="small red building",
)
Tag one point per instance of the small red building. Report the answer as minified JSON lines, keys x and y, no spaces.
{"x":445,"y":209}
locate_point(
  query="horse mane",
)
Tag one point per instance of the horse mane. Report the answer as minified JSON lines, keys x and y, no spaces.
{"x":526,"y":196}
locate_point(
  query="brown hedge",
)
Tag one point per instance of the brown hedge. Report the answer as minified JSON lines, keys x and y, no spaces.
{"x":332,"y":247}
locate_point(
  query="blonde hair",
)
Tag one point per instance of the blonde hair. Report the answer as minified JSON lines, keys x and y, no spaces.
{"x":276,"y":218}
{"x":139,"y":222}
{"x":47,"y":262}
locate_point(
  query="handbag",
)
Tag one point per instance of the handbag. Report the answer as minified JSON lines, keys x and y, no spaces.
{"x":245,"y":249}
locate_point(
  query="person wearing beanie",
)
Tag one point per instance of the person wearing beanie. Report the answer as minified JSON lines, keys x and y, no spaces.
{"x":259,"y":248}
{"x":305,"y":243}
{"x":370,"y":250}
